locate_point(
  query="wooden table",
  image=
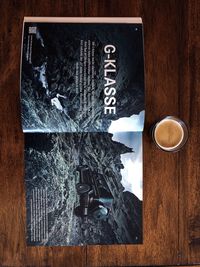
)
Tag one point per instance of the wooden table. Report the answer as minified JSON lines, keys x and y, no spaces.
{"x":171,"y":181}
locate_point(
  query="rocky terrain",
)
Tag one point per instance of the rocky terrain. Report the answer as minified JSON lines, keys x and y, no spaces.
{"x":51,"y":162}
{"x":52,"y":71}
{"x":69,"y":140}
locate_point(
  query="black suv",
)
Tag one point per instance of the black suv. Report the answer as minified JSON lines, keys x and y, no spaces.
{"x":95,"y":196}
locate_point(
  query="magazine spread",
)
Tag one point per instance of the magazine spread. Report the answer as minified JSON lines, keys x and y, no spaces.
{"x":82,"y":108}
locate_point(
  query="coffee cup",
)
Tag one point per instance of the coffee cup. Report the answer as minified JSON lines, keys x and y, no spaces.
{"x":170,"y":134}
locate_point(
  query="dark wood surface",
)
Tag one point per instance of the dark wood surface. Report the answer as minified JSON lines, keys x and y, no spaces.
{"x":171,"y":181}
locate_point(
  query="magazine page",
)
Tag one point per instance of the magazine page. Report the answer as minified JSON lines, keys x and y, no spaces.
{"x":83,"y":188}
{"x":81,"y":77}
{"x":82,"y":104}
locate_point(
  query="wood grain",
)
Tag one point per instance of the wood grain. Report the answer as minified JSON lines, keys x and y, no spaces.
{"x":13,"y":250}
{"x":189,"y":158}
{"x":171,"y":181}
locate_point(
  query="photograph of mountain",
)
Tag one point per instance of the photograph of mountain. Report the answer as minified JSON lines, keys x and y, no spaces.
{"x":63,"y":75}
{"x":82,"y":109}
{"x":53,"y":163}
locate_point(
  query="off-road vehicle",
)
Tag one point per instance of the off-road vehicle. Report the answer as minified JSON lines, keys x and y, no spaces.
{"x":95,"y":196}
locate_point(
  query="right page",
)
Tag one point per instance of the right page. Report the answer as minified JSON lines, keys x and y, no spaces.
{"x":83,"y":188}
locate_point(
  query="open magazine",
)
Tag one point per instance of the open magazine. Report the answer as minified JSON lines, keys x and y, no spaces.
{"x":82,"y":108}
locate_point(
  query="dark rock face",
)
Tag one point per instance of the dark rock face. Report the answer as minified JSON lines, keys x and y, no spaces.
{"x":51,"y":162}
{"x":55,"y":53}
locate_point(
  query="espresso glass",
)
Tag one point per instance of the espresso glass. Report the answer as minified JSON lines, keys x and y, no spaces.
{"x":170,"y":134}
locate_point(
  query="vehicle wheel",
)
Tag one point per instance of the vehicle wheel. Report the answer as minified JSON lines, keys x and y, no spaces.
{"x":78,"y":211}
{"x":82,"y":188}
{"x":100,"y":213}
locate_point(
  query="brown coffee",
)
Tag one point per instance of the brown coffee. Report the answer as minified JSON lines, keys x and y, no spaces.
{"x":168,"y":134}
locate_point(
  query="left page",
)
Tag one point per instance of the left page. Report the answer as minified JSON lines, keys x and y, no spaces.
{"x":79,"y":77}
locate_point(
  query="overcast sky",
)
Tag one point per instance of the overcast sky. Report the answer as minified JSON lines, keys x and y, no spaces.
{"x":132,"y":174}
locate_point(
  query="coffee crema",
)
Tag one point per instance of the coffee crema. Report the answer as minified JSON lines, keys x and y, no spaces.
{"x":168,"y":134}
